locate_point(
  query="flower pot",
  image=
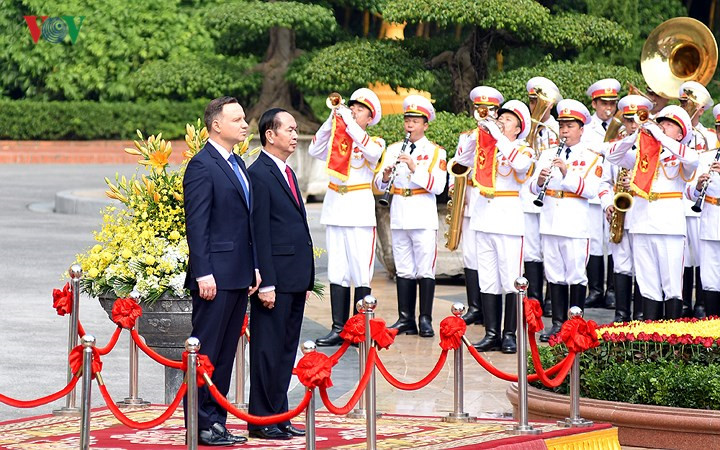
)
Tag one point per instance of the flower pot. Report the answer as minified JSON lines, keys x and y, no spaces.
{"x":638,"y":425}
{"x":165,"y":325}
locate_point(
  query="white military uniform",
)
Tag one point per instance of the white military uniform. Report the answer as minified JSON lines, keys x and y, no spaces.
{"x":658,"y":228}
{"x":413,"y":211}
{"x":709,"y":226}
{"x":622,"y":251}
{"x":349,"y":206}
{"x":467,"y":236}
{"x":565,"y":234}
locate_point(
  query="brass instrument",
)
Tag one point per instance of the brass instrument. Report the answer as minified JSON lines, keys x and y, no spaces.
{"x":483,"y":113}
{"x":334,"y":101}
{"x":546,"y":98}
{"x":622,"y":202}
{"x":678,"y":50}
{"x":643,"y":116}
{"x":456,"y":205}
{"x":385,"y":199}
{"x":695,"y":105}
{"x":613,"y":130}
{"x":633,"y":90}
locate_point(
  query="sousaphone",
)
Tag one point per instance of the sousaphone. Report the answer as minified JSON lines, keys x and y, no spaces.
{"x":678,"y":50}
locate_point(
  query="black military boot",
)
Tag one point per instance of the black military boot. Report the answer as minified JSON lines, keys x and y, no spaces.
{"x":406,"y":295}
{"x":687,"y":291}
{"x":492,"y":312}
{"x":534,"y":275}
{"x":509,"y":343}
{"x":547,"y":303}
{"x":427,"y":295}
{"x":340,"y":311}
{"x":623,"y":295}
{"x":474,"y":314}
{"x":610,"y":284}
{"x":577,"y":295}
{"x":638,"y":300}
{"x":360,"y":293}
{"x":652,"y":310}
{"x":712,"y":303}
{"x":673,"y":308}
{"x":699,"y":311}
{"x":596,"y":280}
{"x":560,"y":299}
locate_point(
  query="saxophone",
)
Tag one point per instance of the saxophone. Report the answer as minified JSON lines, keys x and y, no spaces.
{"x":622,"y":202}
{"x":456,"y":205}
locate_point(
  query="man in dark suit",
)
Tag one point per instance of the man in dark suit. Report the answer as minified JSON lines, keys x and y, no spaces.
{"x":222,"y":269}
{"x":285,"y":258}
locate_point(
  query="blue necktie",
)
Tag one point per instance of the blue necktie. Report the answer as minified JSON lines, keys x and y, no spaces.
{"x":236,"y":169}
{"x":567,"y":152}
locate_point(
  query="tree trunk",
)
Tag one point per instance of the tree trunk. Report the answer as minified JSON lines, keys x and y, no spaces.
{"x":276,"y":92}
{"x":464,"y":78}
{"x":480,"y":54}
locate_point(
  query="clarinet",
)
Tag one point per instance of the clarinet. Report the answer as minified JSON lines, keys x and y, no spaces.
{"x":697,"y":207}
{"x":385,"y":199}
{"x":539,"y":201}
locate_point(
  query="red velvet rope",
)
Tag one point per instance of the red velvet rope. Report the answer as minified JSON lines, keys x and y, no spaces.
{"x":125,"y":420}
{"x":152,"y":354}
{"x":113,"y":340}
{"x":533,"y":315}
{"x":335,"y":357}
{"x":542,"y":375}
{"x":81,"y":330}
{"x":341,"y":411}
{"x":259,"y":420}
{"x":507,"y":376}
{"x":76,"y":359}
{"x":417,"y":385}
{"x":42,"y":400}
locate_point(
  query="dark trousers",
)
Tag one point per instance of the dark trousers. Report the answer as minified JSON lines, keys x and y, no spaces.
{"x":217,"y":324}
{"x":274,"y":339}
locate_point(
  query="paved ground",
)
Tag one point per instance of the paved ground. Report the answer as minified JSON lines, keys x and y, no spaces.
{"x":37,"y":246}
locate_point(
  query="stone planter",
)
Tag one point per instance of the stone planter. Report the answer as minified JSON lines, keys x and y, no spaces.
{"x":639,"y":425}
{"x":165,"y":325}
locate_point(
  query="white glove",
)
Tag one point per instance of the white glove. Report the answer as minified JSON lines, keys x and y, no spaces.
{"x":346,"y":115}
{"x":493,"y":129}
{"x":655,"y":130}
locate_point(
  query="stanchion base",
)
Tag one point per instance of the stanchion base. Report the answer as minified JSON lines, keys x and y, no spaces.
{"x":360,"y":414}
{"x":130,"y":402}
{"x":243,"y":406}
{"x":65,"y":411}
{"x":458,"y":418}
{"x":575,"y":423}
{"x":518,"y":429}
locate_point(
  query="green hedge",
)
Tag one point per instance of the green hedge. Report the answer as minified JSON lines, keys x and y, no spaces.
{"x":24,"y":119}
{"x":637,"y":374}
{"x":444,"y":130}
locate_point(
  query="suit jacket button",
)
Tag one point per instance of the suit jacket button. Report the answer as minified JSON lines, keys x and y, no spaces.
{"x":310,"y":243}
{"x":250,"y":243}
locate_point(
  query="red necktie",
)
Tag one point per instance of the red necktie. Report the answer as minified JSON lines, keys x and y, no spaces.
{"x":291,"y":182}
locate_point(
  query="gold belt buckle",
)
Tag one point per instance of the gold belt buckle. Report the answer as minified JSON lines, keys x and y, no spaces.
{"x":653,"y":196}
{"x":559,"y":194}
{"x":489,"y":195}
{"x":342,"y":189}
{"x":406,"y":192}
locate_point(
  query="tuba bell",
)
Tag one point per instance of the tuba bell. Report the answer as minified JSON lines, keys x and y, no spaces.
{"x":546,"y":98}
{"x":678,"y":50}
{"x":456,"y":205}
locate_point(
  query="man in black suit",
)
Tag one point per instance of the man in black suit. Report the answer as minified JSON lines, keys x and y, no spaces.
{"x":222,"y":268}
{"x":285,"y":258}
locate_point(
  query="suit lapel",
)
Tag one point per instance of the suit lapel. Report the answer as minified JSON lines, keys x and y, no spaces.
{"x":280,"y":179}
{"x":225,"y":167}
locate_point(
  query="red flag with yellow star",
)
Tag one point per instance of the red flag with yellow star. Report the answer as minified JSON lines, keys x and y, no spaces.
{"x":485,"y":162}
{"x":338,"y":161}
{"x":646,"y":163}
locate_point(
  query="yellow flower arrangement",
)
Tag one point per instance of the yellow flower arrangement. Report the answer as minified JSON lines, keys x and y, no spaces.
{"x":142,"y":245}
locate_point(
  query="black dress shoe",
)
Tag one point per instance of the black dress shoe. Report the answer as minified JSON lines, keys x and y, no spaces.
{"x":269,"y":433}
{"x":294,"y":431}
{"x":213,"y":438}
{"x":221,"y":429}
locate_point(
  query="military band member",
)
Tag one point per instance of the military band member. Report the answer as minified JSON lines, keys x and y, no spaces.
{"x":604,"y":95}
{"x":702,"y":141}
{"x":573,"y":178}
{"x":622,"y":251}
{"x":348,"y":212}
{"x":709,"y":224}
{"x":490,"y":98}
{"x":501,"y":160}
{"x":532,"y":251}
{"x":420,"y":174}
{"x":661,"y":168}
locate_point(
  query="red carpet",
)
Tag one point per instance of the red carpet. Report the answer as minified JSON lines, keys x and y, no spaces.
{"x":393,"y":431}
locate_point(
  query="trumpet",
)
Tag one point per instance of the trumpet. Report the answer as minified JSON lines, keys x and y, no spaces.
{"x":385,"y":199}
{"x":540,"y":200}
{"x":483,"y":113}
{"x":334,"y":101}
{"x":697,"y":207}
{"x":643,"y":116}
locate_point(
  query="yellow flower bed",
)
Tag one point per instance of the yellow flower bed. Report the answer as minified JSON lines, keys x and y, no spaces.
{"x":680,"y":331}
